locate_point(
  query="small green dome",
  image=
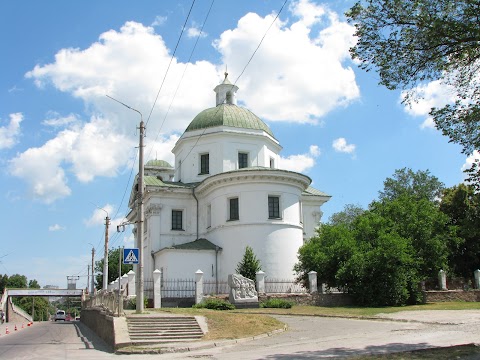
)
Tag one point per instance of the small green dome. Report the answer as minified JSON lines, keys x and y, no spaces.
{"x":158,"y":163}
{"x":228,"y":115}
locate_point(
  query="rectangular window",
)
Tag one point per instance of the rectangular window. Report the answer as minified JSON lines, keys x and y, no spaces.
{"x":204,"y":164}
{"x":242,"y":160}
{"x":233,"y":209}
{"x":272,"y":163}
{"x":177,"y":220}
{"x":274,"y":207}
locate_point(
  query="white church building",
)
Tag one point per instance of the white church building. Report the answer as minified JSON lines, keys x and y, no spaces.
{"x":225,"y":192}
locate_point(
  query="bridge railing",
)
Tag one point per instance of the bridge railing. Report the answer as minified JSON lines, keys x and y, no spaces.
{"x":106,"y":300}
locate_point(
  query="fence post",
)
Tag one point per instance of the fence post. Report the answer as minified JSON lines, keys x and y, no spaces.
{"x":260,"y":277}
{"x":312,"y":281}
{"x":198,"y":286}
{"x":124,"y":280}
{"x":442,"y":280}
{"x":157,"y":290}
{"x":476,"y":274}
{"x":131,"y":283}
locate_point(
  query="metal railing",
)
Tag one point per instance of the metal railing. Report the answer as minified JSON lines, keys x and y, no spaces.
{"x":283,"y":286}
{"x":212,"y":287}
{"x":178,"y":288}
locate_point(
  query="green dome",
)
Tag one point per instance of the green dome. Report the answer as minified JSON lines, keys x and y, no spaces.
{"x":228,"y":115}
{"x":158,"y":163}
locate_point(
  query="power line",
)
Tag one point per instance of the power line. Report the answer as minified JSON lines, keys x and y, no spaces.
{"x":170,"y":63}
{"x":241,"y":73}
{"x":183,"y":75}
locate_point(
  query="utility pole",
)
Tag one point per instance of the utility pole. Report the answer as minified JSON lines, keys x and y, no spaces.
{"x":93,"y":270}
{"x":105,"y":257}
{"x":88,"y":276}
{"x":140,"y":217}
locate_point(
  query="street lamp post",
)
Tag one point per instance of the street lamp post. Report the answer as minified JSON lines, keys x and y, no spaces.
{"x":140,"y":216}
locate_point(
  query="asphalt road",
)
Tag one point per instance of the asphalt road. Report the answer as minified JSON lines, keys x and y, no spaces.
{"x":306,"y":338}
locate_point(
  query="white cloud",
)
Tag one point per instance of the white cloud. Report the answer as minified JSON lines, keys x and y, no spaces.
{"x":430,"y":95}
{"x":9,"y":134}
{"x":294,"y":76}
{"x":471,"y":159}
{"x":55,"y":120}
{"x":306,"y":79}
{"x":300,"y":163}
{"x":194,"y":31}
{"x":340,"y":145}
{"x":55,"y":227}
{"x":159,"y":20}
{"x":309,"y":12}
{"x":99,"y":214}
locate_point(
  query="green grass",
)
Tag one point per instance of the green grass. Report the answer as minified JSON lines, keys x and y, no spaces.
{"x":357,"y":311}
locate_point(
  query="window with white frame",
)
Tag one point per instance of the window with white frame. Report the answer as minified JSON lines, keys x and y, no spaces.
{"x":204,"y":164}
{"x":273,"y":207}
{"x":177,"y":220}
{"x":272,"y":163}
{"x":233,"y":213}
{"x":242,"y":160}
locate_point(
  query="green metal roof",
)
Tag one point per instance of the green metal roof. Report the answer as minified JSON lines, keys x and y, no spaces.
{"x":228,"y":115}
{"x":158,"y":163}
{"x":199,"y":244}
{"x":312,"y":191}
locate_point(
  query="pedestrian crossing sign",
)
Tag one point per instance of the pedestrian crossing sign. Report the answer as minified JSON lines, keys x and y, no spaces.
{"x":130,"y":256}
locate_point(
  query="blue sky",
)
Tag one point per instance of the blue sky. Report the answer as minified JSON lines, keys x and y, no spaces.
{"x":67,"y":151}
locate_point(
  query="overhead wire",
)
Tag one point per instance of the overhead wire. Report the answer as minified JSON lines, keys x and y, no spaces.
{"x":183,"y":74}
{"x":241,"y":73}
{"x":153,"y":107}
{"x":170,"y":63}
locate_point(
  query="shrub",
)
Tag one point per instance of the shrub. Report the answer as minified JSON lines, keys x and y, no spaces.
{"x":214,"y":304}
{"x":277,"y":303}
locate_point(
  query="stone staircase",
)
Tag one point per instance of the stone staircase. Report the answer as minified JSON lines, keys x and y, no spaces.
{"x":145,"y":330}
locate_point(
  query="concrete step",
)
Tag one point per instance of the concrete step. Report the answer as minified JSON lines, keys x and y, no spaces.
{"x":163,"y":329}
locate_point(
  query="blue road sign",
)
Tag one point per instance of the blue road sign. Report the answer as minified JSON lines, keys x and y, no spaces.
{"x":130,"y":256}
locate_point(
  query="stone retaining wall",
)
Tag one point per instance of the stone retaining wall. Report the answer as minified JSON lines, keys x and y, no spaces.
{"x":335,"y":299}
{"x":100,"y":323}
{"x":452,"y":295}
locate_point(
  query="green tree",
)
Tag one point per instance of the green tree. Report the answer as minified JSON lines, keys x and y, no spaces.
{"x":249,"y":265}
{"x":3,"y":282}
{"x":380,"y":257}
{"x":410,"y":42}
{"x":33,"y":284}
{"x":420,"y":185}
{"x":113,"y":260}
{"x":17,"y":281}
{"x":347,"y":216}
{"x":462,"y":205}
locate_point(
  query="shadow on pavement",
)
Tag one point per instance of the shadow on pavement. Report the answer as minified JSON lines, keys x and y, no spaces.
{"x":341,"y":352}
{"x":90,"y":339}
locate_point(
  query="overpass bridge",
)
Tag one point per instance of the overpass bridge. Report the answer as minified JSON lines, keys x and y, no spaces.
{"x":8,"y":307}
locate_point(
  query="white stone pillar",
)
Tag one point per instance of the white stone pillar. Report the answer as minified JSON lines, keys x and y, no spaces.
{"x":442,"y":280}
{"x":124,"y":281}
{"x":260,"y":277}
{"x":198,"y":286}
{"x":131,"y":283}
{"x":312,"y":281}
{"x":476,"y":275}
{"x":157,"y":289}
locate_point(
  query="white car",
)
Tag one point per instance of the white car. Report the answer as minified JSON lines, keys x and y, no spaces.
{"x":60,"y":315}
